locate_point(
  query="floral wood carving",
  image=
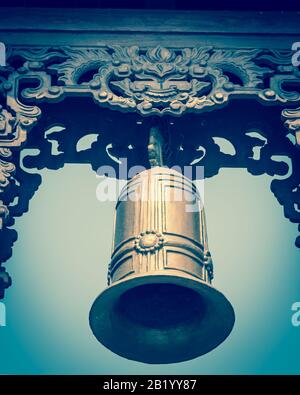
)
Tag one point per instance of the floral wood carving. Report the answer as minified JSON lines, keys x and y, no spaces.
{"x":156,"y":81}
{"x":146,"y":82}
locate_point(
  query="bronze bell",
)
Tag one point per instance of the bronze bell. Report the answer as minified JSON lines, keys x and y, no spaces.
{"x":160,"y":306}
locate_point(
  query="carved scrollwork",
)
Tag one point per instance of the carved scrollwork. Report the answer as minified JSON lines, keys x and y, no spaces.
{"x":181,"y":85}
{"x":6,"y":169}
{"x":156,"y":81}
{"x":289,"y":189}
{"x":16,"y":119}
{"x":292,"y":122}
{"x":3,"y":214}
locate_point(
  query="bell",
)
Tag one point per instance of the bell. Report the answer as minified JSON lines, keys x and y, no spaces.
{"x":160,"y":306}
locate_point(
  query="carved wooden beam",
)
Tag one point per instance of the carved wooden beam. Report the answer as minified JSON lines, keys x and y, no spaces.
{"x":203,"y":93}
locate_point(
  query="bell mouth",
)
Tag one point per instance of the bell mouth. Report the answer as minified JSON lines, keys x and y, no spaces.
{"x":160,"y":306}
{"x":161,"y":318}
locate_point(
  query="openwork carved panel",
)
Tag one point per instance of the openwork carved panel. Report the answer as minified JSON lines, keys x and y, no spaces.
{"x":255,"y":95}
{"x":156,"y":81}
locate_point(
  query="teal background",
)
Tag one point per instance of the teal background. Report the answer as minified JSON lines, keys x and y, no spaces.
{"x":60,"y":263}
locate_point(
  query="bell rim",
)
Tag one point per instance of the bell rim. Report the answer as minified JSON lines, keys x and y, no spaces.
{"x":105,"y":301}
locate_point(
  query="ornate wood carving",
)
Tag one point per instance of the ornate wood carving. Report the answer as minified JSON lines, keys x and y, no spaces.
{"x":156,"y":81}
{"x":181,"y":86}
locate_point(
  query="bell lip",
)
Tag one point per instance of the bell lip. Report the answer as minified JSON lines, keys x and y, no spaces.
{"x":221,"y":313}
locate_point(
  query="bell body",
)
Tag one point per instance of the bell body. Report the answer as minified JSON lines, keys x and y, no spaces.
{"x":160,"y":306}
